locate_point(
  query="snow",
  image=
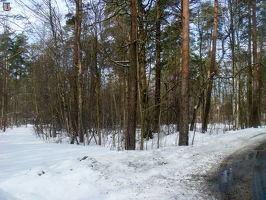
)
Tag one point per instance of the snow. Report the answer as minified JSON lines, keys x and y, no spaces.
{"x":32,"y":169}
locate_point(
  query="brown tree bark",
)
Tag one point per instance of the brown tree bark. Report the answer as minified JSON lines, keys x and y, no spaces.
{"x":184,"y":77}
{"x":130,"y":139}
{"x":157,"y":94}
{"x":211,"y":71}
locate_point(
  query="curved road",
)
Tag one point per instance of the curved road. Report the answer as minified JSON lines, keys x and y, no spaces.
{"x":242,"y":175}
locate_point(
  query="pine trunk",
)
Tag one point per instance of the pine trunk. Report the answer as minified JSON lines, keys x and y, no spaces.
{"x":184,"y":77}
{"x":132,"y":82}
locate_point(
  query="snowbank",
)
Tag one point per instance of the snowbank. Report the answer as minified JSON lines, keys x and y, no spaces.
{"x":31,"y":169}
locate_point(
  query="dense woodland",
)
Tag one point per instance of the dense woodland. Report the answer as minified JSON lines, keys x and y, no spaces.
{"x":126,"y":68}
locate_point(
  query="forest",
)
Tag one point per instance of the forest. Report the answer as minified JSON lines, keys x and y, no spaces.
{"x":93,"y":69}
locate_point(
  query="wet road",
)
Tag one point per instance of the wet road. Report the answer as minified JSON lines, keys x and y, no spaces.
{"x":259,"y":175}
{"x":242,"y":176}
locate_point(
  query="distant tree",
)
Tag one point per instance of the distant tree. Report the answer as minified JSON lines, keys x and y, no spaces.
{"x":211,"y":70}
{"x":5,"y":45}
{"x":18,"y":74}
{"x":203,"y":19}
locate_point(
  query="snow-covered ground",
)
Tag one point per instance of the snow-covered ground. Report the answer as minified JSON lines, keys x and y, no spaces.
{"x":32,"y":169}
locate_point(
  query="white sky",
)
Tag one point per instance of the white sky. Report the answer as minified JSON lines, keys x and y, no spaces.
{"x":31,"y":21}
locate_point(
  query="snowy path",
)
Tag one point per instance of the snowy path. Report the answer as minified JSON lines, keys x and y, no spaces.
{"x":31,"y":169}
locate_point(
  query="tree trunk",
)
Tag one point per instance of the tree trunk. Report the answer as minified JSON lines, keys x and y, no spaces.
{"x":235,"y":104}
{"x":77,"y":65}
{"x":256,"y":76}
{"x":211,"y":71}
{"x":130,"y":140}
{"x":184,"y":77}
{"x":194,"y":116}
{"x":98,"y":86}
{"x":4,"y":98}
{"x":142,"y":79}
{"x":98,"y":117}
{"x":157,"y":95}
{"x":250,"y":96}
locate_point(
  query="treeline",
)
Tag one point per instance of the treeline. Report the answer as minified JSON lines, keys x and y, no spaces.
{"x":117,"y":66}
